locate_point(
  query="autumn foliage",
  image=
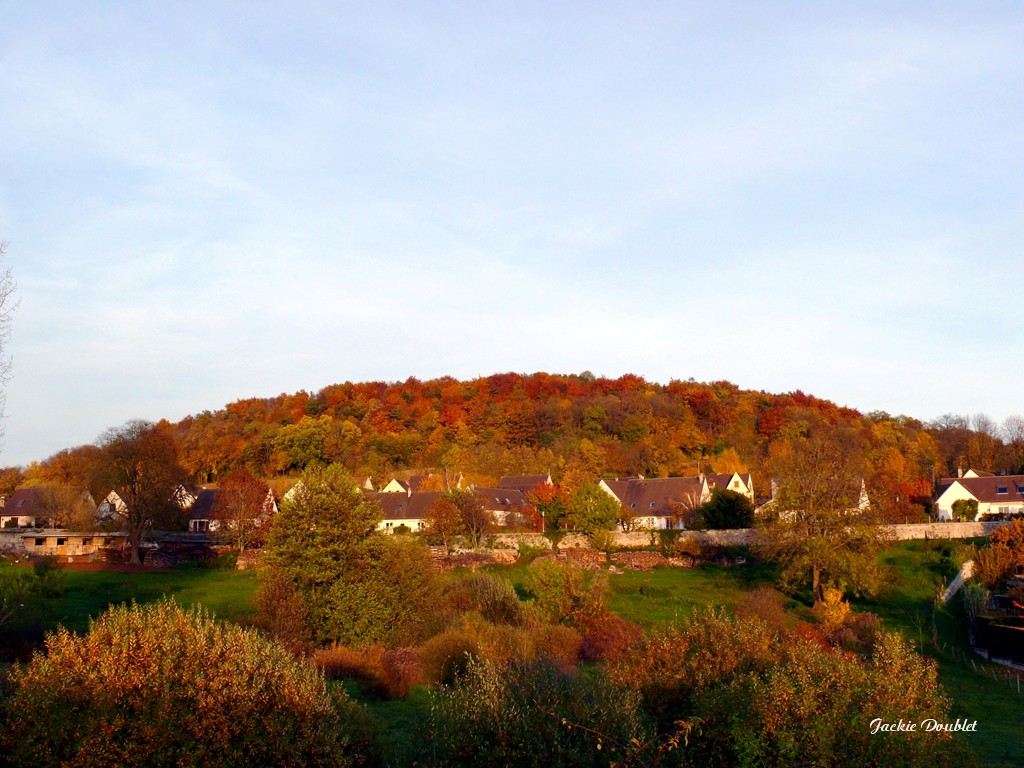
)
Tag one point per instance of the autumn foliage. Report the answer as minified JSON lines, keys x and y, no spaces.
{"x":162,"y":686}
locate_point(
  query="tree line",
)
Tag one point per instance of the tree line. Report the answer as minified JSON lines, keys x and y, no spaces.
{"x":578,"y":427}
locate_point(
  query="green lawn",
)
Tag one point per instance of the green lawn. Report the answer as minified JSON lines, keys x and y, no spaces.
{"x":224,"y":591}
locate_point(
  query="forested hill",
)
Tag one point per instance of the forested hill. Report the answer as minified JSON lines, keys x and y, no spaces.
{"x":517,"y":424}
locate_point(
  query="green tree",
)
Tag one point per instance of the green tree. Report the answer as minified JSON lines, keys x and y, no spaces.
{"x":727,"y":509}
{"x":359,"y":585}
{"x":590,"y":509}
{"x":161,"y":686}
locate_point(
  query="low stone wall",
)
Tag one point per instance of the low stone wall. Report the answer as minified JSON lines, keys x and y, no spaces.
{"x":945,"y":530}
{"x":513,"y":540}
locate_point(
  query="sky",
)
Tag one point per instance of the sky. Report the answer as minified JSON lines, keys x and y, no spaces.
{"x":209,"y":201}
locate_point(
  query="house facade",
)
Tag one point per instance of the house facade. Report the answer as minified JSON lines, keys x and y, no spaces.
{"x":995,"y":494}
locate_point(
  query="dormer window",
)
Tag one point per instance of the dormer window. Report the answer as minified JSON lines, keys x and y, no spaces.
{"x":1001,"y":489}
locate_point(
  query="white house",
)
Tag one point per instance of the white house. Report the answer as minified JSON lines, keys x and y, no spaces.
{"x":995,"y":494}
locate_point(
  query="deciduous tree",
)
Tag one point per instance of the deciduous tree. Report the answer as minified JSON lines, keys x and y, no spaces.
{"x":140,"y":463}
{"x":727,"y":509}
{"x":816,"y":529}
{"x":590,"y":509}
{"x":243,"y":509}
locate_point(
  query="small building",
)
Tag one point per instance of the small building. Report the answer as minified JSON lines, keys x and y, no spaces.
{"x":739,"y":483}
{"x":26,"y":508}
{"x":70,"y":545}
{"x":996,"y":494}
{"x":408,"y":509}
{"x":206,"y":515}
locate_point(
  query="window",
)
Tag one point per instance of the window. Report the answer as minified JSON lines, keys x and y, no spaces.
{"x":652,"y":505}
{"x":1001,"y":489}
{"x":633,"y":505}
{"x":40,"y":542}
{"x":87,"y":541}
{"x":61,"y":542}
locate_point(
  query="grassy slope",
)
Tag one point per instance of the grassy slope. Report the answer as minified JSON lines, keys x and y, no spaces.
{"x":917,"y":571}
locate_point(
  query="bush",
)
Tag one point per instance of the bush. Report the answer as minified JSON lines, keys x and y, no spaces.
{"x":158,"y":685}
{"x":815,"y":707}
{"x":378,"y":672}
{"x":495,"y":599}
{"x":281,"y":611}
{"x":606,"y":635}
{"x":532,"y":715}
{"x":565,"y":593}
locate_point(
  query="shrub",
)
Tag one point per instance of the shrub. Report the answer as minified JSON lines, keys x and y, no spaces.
{"x":815,"y":707}
{"x":281,"y":610}
{"x":832,"y":610}
{"x":494,"y":598}
{"x":565,"y":593}
{"x":532,"y":715}
{"x":158,"y":685}
{"x":446,"y":656}
{"x":378,"y":672}
{"x":672,"y":665}
{"x":767,"y":604}
{"x":606,"y":635}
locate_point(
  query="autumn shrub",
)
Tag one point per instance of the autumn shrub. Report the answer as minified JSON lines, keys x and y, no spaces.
{"x":1003,"y":556}
{"x":670,"y":666}
{"x":161,"y":686}
{"x":815,"y":706}
{"x":495,"y":599}
{"x":556,"y":643}
{"x":532,"y":715}
{"x":382,"y":673}
{"x":281,"y":611}
{"x":767,"y":604}
{"x":446,"y":655}
{"x":606,"y":635}
{"x":565,"y":593}
{"x":832,"y":611}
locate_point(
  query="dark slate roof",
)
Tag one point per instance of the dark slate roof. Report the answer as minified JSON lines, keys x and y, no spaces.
{"x":992,"y":489}
{"x":500,"y":498}
{"x":400,"y":506}
{"x":27,"y":501}
{"x":523,"y":483}
{"x":205,"y":504}
{"x":659,"y":496}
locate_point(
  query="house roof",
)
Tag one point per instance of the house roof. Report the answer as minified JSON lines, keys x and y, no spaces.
{"x":30,"y":502}
{"x":523,"y":483}
{"x":500,"y":498}
{"x":660,"y":496}
{"x":989,"y":489}
{"x":399,"y":506}
{"x":723,"y":481}
{"x":205,"y":504}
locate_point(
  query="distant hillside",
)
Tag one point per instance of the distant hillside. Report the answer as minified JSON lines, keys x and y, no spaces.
{"x":511,"y":423}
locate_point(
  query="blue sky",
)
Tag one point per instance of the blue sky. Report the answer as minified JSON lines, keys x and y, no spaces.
{"x":209,"y":201}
